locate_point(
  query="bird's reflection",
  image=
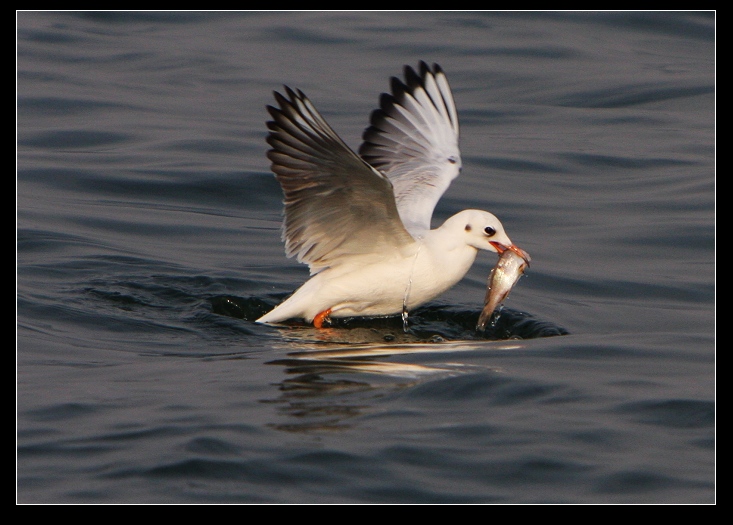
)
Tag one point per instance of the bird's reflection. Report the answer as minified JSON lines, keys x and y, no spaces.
{"x":332,"y":379}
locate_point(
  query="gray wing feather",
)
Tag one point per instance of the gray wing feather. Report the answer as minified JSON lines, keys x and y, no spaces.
{"x":336,"y":205}
{"x":413,"y":140}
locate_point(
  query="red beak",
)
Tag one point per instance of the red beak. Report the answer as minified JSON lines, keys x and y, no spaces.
{"x":516,"y":249}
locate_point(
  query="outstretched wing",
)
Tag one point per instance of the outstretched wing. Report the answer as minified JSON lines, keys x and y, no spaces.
{"x":336,"y":205}
{"x":413,"y":140}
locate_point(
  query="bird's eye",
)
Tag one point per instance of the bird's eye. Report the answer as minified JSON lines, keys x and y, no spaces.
{"x":489,"y":231}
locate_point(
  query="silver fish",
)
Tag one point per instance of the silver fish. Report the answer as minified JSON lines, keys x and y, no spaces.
{"x":512,"y":263}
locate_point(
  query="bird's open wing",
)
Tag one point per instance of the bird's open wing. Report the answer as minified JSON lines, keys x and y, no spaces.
{"x":413,"y":140}
{"x":336,"y":205}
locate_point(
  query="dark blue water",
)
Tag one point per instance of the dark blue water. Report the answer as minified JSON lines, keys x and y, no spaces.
{"x":148,"y":240}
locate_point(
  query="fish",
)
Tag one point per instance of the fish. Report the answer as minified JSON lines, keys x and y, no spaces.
{"x":502,"y":278}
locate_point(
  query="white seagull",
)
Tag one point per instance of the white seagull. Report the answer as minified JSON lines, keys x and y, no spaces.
{"x":362,"y":222}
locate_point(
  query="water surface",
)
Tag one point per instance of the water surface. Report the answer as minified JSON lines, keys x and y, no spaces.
{"x":147,"y":234}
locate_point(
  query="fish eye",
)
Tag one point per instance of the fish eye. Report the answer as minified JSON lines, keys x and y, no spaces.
{"x":489,"y":231}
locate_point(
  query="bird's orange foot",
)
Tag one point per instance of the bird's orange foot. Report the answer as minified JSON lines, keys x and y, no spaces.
{"x":320,"y":318}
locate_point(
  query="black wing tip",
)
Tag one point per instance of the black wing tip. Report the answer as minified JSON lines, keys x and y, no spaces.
{"x":280,"y":98}
{"x":376,"y":122}
{"x":288,"y":107}
{"x":399,"y":88}
{"x":288,"y":100}
{"x":424,"y":67}
{"x":368,"y":146}
{"x":280,"y":117}
{"x":423,"y":71}
{"x":413,"y":79}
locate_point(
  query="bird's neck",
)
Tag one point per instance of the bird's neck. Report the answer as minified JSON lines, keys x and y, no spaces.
{"x":451,"y":255}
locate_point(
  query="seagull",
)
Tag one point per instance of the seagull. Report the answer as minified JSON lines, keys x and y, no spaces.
{"x":362,"y":222}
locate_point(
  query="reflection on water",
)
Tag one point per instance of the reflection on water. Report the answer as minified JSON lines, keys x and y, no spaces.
{"x":335,"y":373}
{"x":326,"y":388}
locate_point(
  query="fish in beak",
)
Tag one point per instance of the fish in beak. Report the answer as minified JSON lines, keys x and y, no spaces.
{"x":513,"y":261}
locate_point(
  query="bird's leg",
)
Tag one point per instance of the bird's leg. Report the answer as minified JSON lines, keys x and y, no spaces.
{"x":320,"y":318}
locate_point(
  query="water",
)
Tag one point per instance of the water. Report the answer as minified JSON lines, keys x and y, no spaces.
{"x":148,"y":240}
